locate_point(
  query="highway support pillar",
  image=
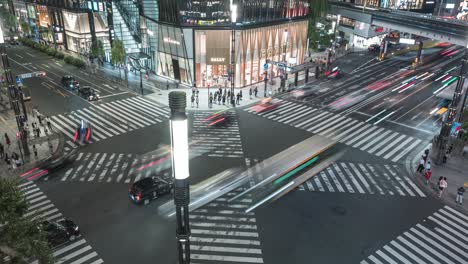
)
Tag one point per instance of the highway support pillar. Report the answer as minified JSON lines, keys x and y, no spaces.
{"x":418,"y":58}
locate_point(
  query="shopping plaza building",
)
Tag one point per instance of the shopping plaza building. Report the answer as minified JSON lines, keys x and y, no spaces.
{"x":188,"y":41}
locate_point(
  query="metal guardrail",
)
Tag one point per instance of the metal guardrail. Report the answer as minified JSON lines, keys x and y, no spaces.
{"x":384,"y":11}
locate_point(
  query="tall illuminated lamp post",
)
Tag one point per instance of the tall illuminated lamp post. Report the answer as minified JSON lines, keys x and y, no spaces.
{"x":180,"y":172}
{"x":233,"y":51}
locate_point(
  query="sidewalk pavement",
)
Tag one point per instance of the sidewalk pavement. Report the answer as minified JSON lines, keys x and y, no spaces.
{"x":43,"y":143}
{"x":456,"y":172}
{"x":162,"y":96}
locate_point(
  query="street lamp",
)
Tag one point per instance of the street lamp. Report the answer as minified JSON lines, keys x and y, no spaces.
{"x":233,"y":52}
{"x":180,"y":172}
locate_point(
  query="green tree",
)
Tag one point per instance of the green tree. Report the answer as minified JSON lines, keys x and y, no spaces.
{"x":25,"y":27}
{"x":97,"y":49}
{"x":20,"y":237}
{"x":9,"y":20}
{"x":318,"y":9}
{"x":118,"y":54}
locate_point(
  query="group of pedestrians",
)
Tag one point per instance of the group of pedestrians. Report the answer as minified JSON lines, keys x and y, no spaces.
{"x":424,"y":168}
{"x":254,"y":92}
{"x":12,"y":160}
{"x":36,"y":126}
{"x":194,"y":98}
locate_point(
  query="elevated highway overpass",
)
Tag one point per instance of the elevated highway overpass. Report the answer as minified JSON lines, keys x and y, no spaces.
{"x":432,"y":27}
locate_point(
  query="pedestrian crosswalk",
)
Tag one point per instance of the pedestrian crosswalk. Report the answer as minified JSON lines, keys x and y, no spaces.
{"x":363,"y":178}
{"x":223,"y":233}
{"x":440,"y":238}
{"x":39,"y":206}
{"x":373,"y":139}
{"x":217,"y":141}
{"x":112,"y":118}
{"x":114,"y":167}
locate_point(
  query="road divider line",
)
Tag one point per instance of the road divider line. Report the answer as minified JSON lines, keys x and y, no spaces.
{"x":376,"y":115}
{"x":385,"y":117}
{"x":110,"y":95}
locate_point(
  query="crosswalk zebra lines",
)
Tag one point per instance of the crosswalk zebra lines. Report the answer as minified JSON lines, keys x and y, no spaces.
{"x":440,"y":238}
{"x":363,"y":178}
{"x":375,"y":140}
{"x":223,"y":233}
{"x":40,"y":207}
{"x":217,"y":141}
{"x":114,"y":167}
{"x":112,"y":118}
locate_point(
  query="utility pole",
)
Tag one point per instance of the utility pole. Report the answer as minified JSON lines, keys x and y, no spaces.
{"x":440,"y":142}
{"x":17,"y":103}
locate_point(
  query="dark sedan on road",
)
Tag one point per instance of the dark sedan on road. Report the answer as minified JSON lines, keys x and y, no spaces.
{"x":50,"y":165}
{"x":60,"y":232}
{"x":222,"y":118}
{"x":70,"y":82}
{"x":374,"y":48}
{"x":88,"y":93}
{"x":150,"y":188}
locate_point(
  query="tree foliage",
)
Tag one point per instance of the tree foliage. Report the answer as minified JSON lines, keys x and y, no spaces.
{"x":117,"y":52}
{"x":318,"y":9}
{"x":97,"y":49}
{"x":8,"y":19}
{"x":20,"y":236}
{"x":25,"y":27}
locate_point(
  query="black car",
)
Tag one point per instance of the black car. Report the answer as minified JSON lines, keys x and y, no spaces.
{"x":88,"y":93}
{"x":60,"y":232}
{"x":148,"y":189}
{"x":14,"y":42}
{"x":374,"y":48}
{"x":50,"y":165}
{"x":70,"y":82}
{"x":222,"y":118}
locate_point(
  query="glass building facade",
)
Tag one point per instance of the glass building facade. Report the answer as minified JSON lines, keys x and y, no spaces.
{"x":194,"y":40}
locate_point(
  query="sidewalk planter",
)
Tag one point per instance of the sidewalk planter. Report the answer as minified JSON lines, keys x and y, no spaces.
{"x":53,"y":52}
{"x":59,"y":55}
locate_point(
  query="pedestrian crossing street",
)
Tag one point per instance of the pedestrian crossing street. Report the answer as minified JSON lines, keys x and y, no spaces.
{"x":363,"y":178}
{"x":375,"y":140}
{"x":440,"y":238}
{"x":217,"y":141}
{"x":78,"y":251}
{"x":223,"y":233}
{"x":114,"y":167}
{"x":112,"y":118}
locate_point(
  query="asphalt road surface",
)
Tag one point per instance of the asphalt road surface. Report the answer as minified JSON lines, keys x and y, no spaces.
{"x":363,"y":208}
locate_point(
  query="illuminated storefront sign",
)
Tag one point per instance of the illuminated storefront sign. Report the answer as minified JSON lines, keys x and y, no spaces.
{"x":218,"y":59}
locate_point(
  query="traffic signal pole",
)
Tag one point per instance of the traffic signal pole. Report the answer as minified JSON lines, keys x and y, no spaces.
{"x":15,"y":96}
{"x":441,"y":141}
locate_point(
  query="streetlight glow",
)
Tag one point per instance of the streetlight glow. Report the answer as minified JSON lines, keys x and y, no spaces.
{"x":180,"y":154}
{"x":233,"y":13}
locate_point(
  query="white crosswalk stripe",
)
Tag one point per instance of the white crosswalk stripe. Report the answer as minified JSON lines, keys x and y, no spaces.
{"x":217,"y":141}
{"x":115,"y":167}
{"x":436,"y":239}
{"x":364,"y":179}
{"x":223,"y":233}
{"x":112,"y":118}
{"x":39,"y":206}
{"x":368,"y":137}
